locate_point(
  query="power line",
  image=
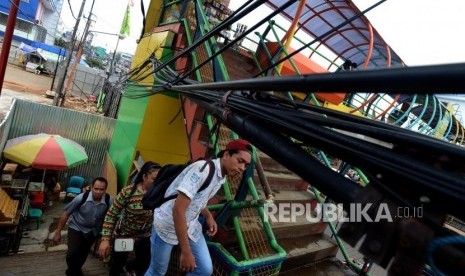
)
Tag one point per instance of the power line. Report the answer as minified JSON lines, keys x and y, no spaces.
{"x":71,"y":9}
{"x":58,"y":94}
{"x":61,"y":93}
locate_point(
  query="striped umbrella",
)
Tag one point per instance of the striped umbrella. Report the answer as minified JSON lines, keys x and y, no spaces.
{"x":45,"y":151}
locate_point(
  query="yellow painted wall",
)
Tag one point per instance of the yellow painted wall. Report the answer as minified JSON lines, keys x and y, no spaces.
{"x":138,"y":118}
{"x":153,"y":15}
{"x":159,"y":140}
{"x":148,"y":45}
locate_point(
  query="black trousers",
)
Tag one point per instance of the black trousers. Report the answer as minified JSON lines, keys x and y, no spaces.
{"x":140,"y":264}
{"x":79,"y":245}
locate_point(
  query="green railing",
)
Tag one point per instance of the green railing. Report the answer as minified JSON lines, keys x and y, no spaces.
{"x":225,"y":262}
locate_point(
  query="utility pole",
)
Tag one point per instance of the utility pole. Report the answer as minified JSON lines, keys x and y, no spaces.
{"x":112,"y":67}
{"x":58,"y":93}
{"x":10,"y":27}
{"x":69,"y":83}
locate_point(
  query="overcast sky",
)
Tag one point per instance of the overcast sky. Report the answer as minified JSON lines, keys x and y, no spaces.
{"x":109,"y":16}
{"x":420,"y":31}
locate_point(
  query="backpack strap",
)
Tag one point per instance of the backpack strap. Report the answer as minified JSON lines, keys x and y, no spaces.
{"x":107,"y":200}
{"x":84,"y":198}
{"x":210,"y":175}
{"x":205,"y":183}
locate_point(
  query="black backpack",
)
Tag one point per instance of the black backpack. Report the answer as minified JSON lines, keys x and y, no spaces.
{"x":155,"y":196}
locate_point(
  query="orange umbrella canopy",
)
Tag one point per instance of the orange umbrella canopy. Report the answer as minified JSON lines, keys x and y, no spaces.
{"x":45,"y":151}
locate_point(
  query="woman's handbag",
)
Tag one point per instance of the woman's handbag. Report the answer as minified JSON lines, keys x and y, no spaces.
{"x":122,"y":244}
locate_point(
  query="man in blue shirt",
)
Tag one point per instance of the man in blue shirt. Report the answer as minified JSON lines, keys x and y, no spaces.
{"x":85,"y":223}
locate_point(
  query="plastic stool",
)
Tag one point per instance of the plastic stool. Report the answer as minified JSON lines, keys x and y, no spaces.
{"x":36,"y":214}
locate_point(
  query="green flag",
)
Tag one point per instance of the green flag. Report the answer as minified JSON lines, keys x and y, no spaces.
{"x":126,"y":26}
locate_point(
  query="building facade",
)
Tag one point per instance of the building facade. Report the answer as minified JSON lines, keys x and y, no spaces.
{"x":37,"y":20}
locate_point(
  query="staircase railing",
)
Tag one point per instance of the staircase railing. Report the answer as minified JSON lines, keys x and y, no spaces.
{"x":260,"y":254}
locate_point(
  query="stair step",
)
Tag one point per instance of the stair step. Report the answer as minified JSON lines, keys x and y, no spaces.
{"x":331,"y":267}
{"x":304,"y":250}
{"x":299,"y":228}
{"x":269,"y":164}
{"x":283,"y":196}
{"x":288,"y":226}
{"x":284,"y":226}
{"x":283,"y":181}
{"x":239,"y":66}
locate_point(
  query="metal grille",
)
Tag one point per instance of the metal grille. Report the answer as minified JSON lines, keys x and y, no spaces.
{"x":250,"y":223}
{"x":220,"y":268}
{"x":113,"y":94}
{"x":206,"y":71}
{"x":86,"y":81}
{"x":252,"y":230}
{"x":265,"y":270}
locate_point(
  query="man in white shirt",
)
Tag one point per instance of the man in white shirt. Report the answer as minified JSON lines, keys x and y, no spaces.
{"x":176,"y":221}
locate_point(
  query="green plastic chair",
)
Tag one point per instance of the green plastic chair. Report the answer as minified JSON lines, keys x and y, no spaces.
{"x":35,"y":214}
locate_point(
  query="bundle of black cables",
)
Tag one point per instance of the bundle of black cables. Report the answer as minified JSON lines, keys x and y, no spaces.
{"x":402,"y":158}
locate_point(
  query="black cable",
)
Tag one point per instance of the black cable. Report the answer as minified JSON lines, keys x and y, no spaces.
{"x":380,"y":160}
{"x":407,"y":80}
{"x":71,"y":9}
{"x":142,"y":8}
{"x":389,"y":133}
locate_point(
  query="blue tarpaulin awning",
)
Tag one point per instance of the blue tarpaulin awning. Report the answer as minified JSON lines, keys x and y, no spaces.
{"x":43,"y":53}
{"x":27,"y":48}
{"x":49,"y":48}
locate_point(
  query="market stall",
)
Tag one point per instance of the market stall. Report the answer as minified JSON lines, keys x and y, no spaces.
{"x":33,"y":161}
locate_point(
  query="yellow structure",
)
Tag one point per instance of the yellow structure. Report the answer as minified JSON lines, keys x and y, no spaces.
{"x":149,"y":125}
